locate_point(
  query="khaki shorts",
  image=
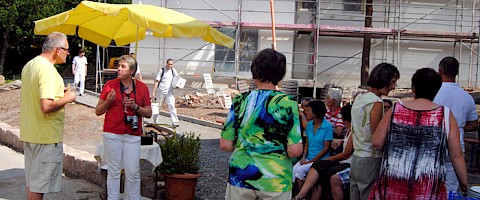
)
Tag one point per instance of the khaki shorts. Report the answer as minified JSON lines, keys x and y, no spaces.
{"x":236,"y":193}
{"x":43,"y":167}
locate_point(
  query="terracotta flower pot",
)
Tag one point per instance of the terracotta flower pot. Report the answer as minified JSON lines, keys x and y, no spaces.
{"x":181,"y":186}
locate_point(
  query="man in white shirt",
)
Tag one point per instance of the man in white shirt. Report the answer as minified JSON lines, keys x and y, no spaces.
{"x":79,"y":70}
{"x":462,"y":106}
{"x":164,"y":82}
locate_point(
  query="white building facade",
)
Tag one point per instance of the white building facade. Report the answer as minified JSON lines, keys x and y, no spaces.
{"x":325,"y":40}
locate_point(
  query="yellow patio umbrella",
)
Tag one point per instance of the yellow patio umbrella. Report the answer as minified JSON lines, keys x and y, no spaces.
{"x":101,"y":23}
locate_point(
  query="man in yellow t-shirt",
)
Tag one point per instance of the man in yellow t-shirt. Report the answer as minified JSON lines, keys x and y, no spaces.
{"x":42,"y":117}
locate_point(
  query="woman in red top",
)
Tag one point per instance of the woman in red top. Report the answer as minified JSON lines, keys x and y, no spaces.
{"x":125,"y":101}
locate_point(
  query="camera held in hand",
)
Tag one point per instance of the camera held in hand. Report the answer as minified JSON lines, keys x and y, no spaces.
{"x":132,"y":120}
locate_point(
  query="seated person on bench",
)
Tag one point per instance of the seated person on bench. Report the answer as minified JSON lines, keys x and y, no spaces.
{"x":334,"y":170}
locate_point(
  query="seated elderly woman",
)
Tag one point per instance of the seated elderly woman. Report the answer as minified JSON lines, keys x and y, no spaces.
{"x":319,"y":134}
{"x":413,"y":136}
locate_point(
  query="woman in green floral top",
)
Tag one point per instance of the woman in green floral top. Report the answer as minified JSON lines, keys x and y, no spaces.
{"x":263,"y":131}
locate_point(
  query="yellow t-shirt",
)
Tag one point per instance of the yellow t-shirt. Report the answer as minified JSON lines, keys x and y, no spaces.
{"x":40,"y":80}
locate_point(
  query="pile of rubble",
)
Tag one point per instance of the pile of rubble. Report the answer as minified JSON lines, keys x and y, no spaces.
{"x":200,"y":99}
{"x":17,"y":84}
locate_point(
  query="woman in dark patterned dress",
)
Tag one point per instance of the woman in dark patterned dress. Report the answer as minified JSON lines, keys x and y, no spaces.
{"x":414,"y":142}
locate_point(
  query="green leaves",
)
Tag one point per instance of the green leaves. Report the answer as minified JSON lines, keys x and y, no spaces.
{"x":17,"y":18}
{"x":180,"y":154}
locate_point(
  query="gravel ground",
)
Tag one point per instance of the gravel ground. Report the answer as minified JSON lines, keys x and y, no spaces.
{"x":83,"y":131}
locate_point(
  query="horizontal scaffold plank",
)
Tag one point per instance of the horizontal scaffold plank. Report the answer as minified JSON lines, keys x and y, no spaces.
{"x":351,"y":31}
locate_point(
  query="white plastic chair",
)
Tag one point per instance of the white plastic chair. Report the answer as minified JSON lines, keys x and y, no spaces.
{"x":242,"y":86}
{"x":209,"y":83}
{"x":224,"y":98}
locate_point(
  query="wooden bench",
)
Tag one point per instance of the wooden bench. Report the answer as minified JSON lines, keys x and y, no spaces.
{"x":161,"y":129}
{"x":474,"y":147}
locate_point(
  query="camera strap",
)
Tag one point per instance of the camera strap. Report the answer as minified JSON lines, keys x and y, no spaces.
{"x":123,"y":88}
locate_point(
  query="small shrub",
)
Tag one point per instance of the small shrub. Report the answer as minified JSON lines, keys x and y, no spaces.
{"x":180,"y":154}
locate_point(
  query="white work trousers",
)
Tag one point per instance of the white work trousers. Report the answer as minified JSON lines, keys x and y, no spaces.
{"x":79,"y":78}
{"x":170,"y":100}
{"x":451,"y":178}
{"x":122,"y":151}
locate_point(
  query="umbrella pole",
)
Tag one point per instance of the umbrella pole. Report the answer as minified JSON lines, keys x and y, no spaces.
{"x":272,"y":13}
{"x":136,"y":43}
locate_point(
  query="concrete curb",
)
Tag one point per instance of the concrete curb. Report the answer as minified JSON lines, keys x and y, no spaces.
{"x":194,"y":120}
{"x":163,"y":113}
{"x":76,"y":163}
{"x":92,"y":93}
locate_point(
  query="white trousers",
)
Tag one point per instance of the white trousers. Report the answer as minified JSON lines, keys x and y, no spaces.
{"x":170,"y":100}
{"x":79,"y":78}
{"x":122,"y":151}
{"x":451,"y":179}
{"x":300,"y":171}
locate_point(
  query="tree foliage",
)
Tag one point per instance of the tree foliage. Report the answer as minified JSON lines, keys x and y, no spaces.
{"x":18,"y":43}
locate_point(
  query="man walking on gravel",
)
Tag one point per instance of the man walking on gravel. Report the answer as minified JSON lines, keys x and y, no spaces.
{"x":164,"y":83}
{"x":42,"y":117}
{"x":79,"y":70}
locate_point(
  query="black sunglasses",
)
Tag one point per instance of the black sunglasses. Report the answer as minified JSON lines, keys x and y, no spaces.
{"x":67,"y":50}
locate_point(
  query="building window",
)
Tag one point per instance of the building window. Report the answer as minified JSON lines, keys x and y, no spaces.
{"x":225,"y":57}
{"x":352,"y":5}
{"x":248,"y":48}
{"x":310,"y":5}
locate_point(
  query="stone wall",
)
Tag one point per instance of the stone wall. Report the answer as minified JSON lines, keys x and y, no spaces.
{"x":76,"y":163}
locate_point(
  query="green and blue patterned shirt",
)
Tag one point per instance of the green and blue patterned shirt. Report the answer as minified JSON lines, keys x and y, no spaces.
{"x":262,"y":123}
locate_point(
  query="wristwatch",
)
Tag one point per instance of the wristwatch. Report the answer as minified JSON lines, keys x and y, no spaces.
{"x":136,"y":109}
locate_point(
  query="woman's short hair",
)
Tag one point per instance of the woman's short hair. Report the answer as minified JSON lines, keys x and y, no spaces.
{"x":346,"y":112}
{"x":381,"y":75}
{"x":54,"y":40}
{"x":132,"y":62}
{"x":318,"y":108}
{"x":426,"y":82}
{"x":336,"y":94}
{"x":269,"y":66}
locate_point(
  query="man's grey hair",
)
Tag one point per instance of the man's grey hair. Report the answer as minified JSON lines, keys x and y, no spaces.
{"x":53,"y":40}
{"x":335,"y":94}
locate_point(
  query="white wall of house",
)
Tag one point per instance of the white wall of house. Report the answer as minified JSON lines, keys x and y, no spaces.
{"x":153,"y":52}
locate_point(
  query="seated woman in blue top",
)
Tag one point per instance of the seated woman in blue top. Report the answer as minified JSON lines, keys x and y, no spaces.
{"x":319,"y":134}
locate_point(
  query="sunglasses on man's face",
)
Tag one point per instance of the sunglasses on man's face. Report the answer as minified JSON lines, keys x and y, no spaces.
{"x":65,"y":49}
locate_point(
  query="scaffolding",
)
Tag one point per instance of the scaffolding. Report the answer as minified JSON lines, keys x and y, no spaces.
{"x":456,"y":23}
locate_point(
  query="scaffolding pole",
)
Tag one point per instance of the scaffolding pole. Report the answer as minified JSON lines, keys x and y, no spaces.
{"x":315,"y":51}
{"x":237,"y":42}
{"x":393,"y":19}
{"x":399,"y":32}
{"x":478,"y":53}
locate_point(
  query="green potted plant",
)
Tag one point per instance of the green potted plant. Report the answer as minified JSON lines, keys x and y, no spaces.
{"x":180,"y":165}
